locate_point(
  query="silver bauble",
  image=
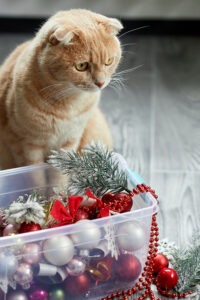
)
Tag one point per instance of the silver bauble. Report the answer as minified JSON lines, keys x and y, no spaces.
{"x":131,"y":236}
{"x":17,"y":295}
{"x":89,"y":235}
{"x":8,"y":264}
{"x":58,"y":250}
{"x":76,"y":266}
{"x":23,"y":274}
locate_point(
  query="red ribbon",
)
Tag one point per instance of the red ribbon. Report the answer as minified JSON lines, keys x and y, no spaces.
{"x":104,"y":212}
{"x":59,"y":211}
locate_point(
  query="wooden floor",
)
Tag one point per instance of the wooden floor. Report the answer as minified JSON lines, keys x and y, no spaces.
{"x":155,"y":122}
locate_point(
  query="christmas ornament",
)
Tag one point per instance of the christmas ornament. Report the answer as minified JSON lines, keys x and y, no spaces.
{"x":58,"y":250}
{"x":160,"y":262}
{"x":77,"y":285}
{"x":81,"y":215}
{"x":10,"y":229}
{"x":102,"y":270}
{"x":29,"y":227}
{"x":57,"y":294}
{"x":38,"y":293}
{"x":131,"y":236}
{"x":127,"y":267}
{"x":8,"y":264}
{"x":76,"y":266}
{"x":100,"y":251}
{"x":120,"y":203}
{"x":167,"y":278}
{"x":60,"y":213}
{"x":17,"y":295}
{"x":23,"y":274}
{"x":32,"y":253}
{"x":89,"y":235}
{"x":26,"y":209}
{"x":44,"y":270}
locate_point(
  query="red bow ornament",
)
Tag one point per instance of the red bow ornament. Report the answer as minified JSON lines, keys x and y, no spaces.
{"x":103,"y":211}
{"x":60,"y":213}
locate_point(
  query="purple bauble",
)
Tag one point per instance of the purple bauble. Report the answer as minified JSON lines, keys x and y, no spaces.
{"x":17,"y":295}
{"x":127,"y":267}
{"x":32,"y":253}
{"x":38,"y":293}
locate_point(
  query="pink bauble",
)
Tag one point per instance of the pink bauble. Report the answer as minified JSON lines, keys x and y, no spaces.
{"x":127,"y":267}
{"x":38,"y":294}
{"x":77,"y":285}
{"x":32,"y":253}
{"x":10,"y":228}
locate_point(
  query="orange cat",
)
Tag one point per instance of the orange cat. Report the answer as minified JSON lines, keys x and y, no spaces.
{"x":50,"y":87}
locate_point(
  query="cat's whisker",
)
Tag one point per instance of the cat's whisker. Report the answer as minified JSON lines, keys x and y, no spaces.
{"x":129,"y":44}
{"x":128,"y":70}
{"x":51,"y":85}
{"x":132,"y":30}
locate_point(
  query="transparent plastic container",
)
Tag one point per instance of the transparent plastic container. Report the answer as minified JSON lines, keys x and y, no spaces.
{"x":103,"y":274}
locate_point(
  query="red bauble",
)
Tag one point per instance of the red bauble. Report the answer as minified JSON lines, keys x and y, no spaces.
{"x":81,"y":215}
{"x":160,"y":262}
{"x":77,"y":285}
{"x":29,"y":227}
{"x":121,"y":202}
{"x":127,"y":267}
{"x":167,"y":278}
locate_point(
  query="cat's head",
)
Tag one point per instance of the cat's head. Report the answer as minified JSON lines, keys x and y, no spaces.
{"x":81,"y":48}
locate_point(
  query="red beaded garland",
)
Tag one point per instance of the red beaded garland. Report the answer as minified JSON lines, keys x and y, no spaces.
{"x":147,"y":275}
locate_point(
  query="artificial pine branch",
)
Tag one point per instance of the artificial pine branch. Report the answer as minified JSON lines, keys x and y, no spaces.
{"x":186,"y":262}
{"x":94,"y":168}
{"x":187,"y":265}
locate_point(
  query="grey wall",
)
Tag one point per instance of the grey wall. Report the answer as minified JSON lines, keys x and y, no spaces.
{"x":126,"y":8}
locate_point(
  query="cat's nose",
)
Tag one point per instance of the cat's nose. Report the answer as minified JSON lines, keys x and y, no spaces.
{"x":99,"y":84}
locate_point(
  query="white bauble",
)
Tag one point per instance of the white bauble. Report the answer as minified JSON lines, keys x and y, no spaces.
{"x":58,"y":250}
{"x":89,"y":235}
{"x":131,"y":236}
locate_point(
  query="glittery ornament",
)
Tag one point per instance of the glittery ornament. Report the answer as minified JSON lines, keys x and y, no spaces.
{"x":29,"y":227}
{"x":160,"y":262}
{"x":131,"y":236}
{"x":121,"y":202}
{"x":77,"y":285}
{"x":38,"y":293}
{"x":9,"y":229}
{"x":127,"y":267}
{"x":76,"y":266}
{"x":17,"y":295}
{"x":81,"y":215}
{"x":57,"y":294}
{"x":167,"y":278}
{"x":88,"y":236}
{"x":58,"y":250}
{"x":8,"y":264}
{"x":23,"y":274}
{"x":32,"y":253}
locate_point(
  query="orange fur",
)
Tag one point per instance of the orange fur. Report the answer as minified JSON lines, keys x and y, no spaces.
{"x":45,"y":102}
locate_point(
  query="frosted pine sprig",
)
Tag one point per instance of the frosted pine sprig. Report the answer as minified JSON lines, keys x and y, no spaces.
{"x":26,"y":209}
{"x":94,"y":168}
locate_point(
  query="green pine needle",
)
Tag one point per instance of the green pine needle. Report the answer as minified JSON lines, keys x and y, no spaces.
{"x":94,"y":169}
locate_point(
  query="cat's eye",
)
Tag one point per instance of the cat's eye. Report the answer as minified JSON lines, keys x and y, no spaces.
{"x":83,"y":66}
{"x":109,"y":61}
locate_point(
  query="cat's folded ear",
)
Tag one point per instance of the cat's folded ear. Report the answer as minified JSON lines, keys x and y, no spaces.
{"x":63,"y":36}
{"x":111,"y":25}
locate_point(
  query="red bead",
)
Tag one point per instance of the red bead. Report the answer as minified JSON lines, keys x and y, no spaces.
{"x":118,"y":294}
{"x":180,"y":296}
{"x":173,"y":295}
{"x":134,"y":290}
{"x":185,"y":294}
{"x":108,"y":297}
{"x":129,"y":293}
{"x":123,"y":292}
